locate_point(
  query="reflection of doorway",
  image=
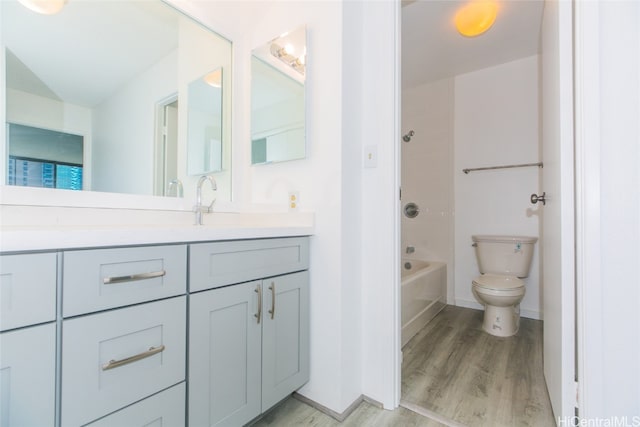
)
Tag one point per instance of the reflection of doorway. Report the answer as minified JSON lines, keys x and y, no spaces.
{"x":165,"y":180}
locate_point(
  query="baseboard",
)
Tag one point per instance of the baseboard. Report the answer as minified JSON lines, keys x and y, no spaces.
{"x":340,"y":417}
{"x":529,"y":314}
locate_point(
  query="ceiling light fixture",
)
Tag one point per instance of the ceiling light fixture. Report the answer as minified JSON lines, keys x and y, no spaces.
{"x":476,"y":17}
{"x":45,"y":7}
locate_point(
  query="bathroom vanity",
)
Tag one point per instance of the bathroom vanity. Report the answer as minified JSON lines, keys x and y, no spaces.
{"x":203,"y":332}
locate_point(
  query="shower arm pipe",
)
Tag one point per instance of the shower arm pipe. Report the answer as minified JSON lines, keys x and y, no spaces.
{"x":524,"y":165}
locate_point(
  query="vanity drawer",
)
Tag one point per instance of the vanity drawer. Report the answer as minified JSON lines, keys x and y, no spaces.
{"x":99,"y":279}
{"x":218,"y":264}
{"x":115,"y":358}
{"x":166,"y":408}
{"x":27,"y":289}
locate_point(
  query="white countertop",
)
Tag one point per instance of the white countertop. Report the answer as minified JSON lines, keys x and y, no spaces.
{"x":48,"y":237}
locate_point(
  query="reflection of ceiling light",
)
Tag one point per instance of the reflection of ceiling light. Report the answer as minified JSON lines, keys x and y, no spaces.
{"x":214,"y":78}
{"x":285,"y":54}
{"x":476,"y":17}
{"x":46,"y":7}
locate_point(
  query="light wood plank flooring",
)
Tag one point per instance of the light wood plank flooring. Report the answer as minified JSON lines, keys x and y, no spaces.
{"x":455,"y":370}
{"x":460,"y":372}
{"x":293,"y":412}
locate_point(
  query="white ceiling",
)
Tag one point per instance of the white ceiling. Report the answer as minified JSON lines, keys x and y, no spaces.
{"x":432,"y":49}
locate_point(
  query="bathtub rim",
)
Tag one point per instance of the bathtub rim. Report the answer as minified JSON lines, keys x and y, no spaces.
{"x":431,"y":266}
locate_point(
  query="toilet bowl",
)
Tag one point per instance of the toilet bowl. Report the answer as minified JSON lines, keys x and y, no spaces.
{"x":501,"y":296}
{"x":502,"y":261}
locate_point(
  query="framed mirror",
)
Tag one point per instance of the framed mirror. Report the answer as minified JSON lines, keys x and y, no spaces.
{"x":278,"y":72}
{"x":124,"y":81}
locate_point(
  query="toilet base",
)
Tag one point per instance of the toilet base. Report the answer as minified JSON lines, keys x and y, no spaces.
{"x":501,"y":321}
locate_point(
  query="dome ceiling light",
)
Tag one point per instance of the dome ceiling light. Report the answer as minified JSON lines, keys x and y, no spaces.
{"x":476,"y":17}
{"x":45,"y":7}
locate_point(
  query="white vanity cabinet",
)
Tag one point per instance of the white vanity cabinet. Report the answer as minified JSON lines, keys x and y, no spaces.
{"x":248,"y":342}
{"x":28,"y":339}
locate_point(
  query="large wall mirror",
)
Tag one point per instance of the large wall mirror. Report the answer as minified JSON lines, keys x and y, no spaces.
{"x":115,"y":96}
{"x":278,"y":74}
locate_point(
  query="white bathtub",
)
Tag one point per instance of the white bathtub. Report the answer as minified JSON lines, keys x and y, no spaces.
{"x":424,"y":294}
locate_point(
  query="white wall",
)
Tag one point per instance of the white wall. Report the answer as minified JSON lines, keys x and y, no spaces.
{"x":608,"y":207}
{"x":496,"y":123}
{"x":427,"y":173}
{"x":378,"y":117}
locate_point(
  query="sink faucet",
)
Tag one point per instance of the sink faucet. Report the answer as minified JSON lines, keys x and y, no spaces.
{"x":199,"y":208}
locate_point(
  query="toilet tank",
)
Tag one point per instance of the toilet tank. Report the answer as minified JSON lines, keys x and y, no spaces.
{"x":509,"y":255}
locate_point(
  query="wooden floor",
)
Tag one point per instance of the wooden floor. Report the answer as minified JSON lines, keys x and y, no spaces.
{"x":295,"y":413}
{"x":455,"y":369}
{"x":457,"y":373}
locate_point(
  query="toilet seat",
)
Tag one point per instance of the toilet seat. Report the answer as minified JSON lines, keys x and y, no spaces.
{"x":497,"y":285}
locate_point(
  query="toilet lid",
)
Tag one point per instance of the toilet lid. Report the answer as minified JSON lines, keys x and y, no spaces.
{"x":494,"y":281}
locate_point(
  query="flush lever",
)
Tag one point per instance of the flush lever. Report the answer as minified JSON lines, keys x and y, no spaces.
{"x":535,"y":198}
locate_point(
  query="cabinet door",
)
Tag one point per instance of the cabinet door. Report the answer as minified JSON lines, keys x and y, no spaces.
{"x":224,"y":356}
{"x":285,"y":336}
{"x":27,"y":376}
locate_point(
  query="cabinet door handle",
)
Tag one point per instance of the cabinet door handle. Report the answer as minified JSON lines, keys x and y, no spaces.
{"x":116,"y":363}
{"x":272,"y":288}
{"x":258,"y":315}
{"x":133,"y":277}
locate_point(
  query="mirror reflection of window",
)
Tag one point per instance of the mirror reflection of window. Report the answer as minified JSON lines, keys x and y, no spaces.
{"x":278,"y":99}
{"x":44,"y":158}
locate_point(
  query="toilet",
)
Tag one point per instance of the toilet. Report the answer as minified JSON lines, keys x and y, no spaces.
{"x":502,"y":261}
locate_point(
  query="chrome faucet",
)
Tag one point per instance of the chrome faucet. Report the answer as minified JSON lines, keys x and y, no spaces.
{"x":198,"y":208}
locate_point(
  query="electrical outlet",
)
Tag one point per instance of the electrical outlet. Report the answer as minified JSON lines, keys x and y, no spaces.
{"x":294,"y":201}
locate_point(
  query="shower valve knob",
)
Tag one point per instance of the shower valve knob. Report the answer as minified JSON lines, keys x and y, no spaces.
{"x":535,"y":198}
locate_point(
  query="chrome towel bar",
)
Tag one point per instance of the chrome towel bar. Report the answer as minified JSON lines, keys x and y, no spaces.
{"x":539,"y":164}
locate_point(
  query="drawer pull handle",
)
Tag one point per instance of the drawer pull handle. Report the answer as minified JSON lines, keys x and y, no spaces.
{"x":258,"y":315}
{"x":272,"y":288}
{"x":133,"y":277}
{"x":116,"y":363}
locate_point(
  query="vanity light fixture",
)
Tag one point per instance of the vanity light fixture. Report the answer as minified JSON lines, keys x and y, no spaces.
{"x":214,"y":78}
{"x":45,"y":7}
{"x":285,"y":54}
{"x":476,"y":17}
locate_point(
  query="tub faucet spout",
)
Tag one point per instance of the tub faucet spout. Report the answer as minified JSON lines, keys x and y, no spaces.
{"x":199,"y":209}
{"x":411,"y":249}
